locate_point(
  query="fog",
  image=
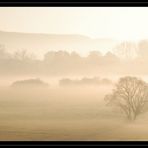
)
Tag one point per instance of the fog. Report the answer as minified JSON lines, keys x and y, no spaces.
{"x":55,"y":113}
{"x":64,"y":113}
{"x":62,"y":95}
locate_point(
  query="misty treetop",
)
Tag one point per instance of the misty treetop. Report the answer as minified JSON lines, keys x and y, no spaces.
{"x":95,"y":81}
{"x":55,"y":63}
{"x":119,"y":60}
{"x":29,"y":83}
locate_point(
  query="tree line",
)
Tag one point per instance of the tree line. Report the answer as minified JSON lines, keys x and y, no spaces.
{"x":120,"y":59}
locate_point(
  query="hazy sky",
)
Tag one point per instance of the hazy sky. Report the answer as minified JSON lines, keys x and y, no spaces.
{"x":127,"y":23}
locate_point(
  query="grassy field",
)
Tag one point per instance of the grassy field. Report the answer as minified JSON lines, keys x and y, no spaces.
{"x":59,"y":113}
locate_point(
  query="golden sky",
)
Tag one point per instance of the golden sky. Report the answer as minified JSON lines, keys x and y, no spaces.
{"x":122,"y":23}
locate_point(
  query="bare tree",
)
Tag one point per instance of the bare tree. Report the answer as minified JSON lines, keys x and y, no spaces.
{"x":143,"y":48}
{"x":130,"y":95}
{"x":23,"y":55}
{"x":126,"y":50}
{"x":3,"y":53}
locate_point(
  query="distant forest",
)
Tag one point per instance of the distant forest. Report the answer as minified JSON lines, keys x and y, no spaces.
{"x":125,"y":58}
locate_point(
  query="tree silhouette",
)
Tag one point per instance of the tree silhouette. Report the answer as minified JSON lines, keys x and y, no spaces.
{"x":126,"y":50}
{"x":130,"y":95}
{"x":23,"y":55}
{"x":4,"y":55}
{"x":143,"y":48}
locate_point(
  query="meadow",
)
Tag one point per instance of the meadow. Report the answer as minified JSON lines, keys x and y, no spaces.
{"x":64,"y":113}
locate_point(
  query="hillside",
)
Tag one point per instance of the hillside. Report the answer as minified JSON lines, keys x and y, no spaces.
{"x":41,"y":43}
